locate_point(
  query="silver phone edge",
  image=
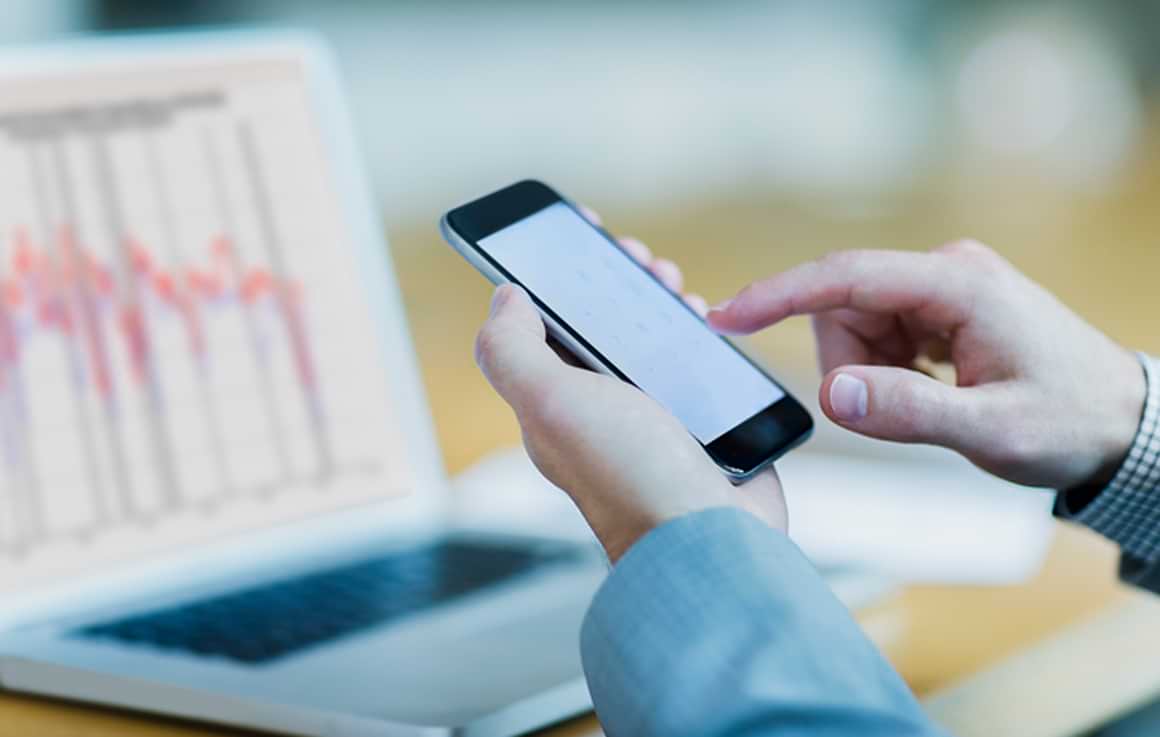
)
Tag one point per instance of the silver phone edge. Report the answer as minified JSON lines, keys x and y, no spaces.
{"x":557,"y":331}
{"x":468,"y":252}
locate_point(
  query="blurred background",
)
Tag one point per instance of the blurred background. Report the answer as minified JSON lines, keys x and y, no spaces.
{"x":738,"y":138}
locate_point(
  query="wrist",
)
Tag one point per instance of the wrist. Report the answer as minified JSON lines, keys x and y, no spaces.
{"x":619,"y":531}
{"x":1128,"y":387}
{"x":619,"y":526}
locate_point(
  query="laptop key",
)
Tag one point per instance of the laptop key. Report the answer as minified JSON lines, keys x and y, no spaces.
{"x":260,"y":624}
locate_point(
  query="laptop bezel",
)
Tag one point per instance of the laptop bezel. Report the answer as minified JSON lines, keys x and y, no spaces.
{"x":416,"y":515}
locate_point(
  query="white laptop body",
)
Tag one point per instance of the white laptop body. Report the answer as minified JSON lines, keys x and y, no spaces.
{"x":206,"y":388}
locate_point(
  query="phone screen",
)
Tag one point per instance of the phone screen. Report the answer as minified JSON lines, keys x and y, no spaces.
{"x":640,"y":327}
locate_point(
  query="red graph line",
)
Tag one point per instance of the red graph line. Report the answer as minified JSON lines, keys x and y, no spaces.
{"x":67,"y":290}
{"x":113,"y":314}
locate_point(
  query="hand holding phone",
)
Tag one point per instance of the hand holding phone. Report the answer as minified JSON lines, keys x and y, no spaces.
{"x":620,"y":320}
{"x":628,"y":464}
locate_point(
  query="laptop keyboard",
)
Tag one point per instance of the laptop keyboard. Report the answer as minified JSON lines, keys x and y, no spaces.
{"x":260,"y":624}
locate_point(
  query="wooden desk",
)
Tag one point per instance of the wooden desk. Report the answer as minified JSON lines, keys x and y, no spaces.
{"x":987,"y":659}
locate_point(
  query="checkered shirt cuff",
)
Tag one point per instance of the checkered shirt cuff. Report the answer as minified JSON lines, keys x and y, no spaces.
{"x":1127,"y":511}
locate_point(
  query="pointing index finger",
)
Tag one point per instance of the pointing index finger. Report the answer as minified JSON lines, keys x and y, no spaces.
{"x":871,"y":281}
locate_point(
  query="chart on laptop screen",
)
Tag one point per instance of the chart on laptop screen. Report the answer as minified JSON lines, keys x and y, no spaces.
{"x":185,"y":347}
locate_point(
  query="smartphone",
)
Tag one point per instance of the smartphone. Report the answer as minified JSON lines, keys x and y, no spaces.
{"x":619,"y":319}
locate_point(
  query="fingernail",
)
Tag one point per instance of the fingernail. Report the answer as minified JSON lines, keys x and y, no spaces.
{"x":849,"y":398}
{"x":497,"y":299}
{"x":717,"y":311}
{"x":722,"y":306}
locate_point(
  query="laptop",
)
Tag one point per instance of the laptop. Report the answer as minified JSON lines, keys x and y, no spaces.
{"x":220,"y":492}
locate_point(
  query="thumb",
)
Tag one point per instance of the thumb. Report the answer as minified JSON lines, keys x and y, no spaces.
{"x":902,"y":405}
{"x":511,"y":349}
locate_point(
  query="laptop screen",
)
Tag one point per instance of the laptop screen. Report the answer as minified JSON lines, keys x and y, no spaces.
{"x":186,"y":349}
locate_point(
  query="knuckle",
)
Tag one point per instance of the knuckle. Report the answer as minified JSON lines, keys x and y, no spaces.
{"x":971,"y":251}
{"x":982,"y":271}
{"x":909,"y":408}
{"x":960,"y":247}
{"x":920,"y":410}
{"x":840,"y":260}
{"x":848,"y":264}
{"x":486,"y":346}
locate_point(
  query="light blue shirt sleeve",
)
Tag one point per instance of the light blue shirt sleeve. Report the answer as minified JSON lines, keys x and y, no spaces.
{"x":716,"y":625}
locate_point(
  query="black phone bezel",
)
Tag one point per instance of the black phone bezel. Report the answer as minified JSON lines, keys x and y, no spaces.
{"x":741,"y":451}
